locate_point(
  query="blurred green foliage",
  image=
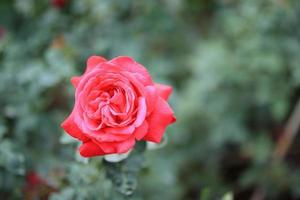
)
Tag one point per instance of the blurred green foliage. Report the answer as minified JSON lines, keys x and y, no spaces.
{"x":234,"y":66}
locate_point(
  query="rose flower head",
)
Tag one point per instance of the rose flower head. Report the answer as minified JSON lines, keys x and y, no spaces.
{"x":117,"y":104}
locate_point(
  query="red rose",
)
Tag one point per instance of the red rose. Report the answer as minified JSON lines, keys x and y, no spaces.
{"x":117,"y":103}
{"x":36,"y":187}
{"x":59,"y":3}
{"x":33,"y":179}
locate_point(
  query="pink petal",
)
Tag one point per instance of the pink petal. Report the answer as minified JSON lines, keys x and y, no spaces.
{"x":151,"y":98}
{"x":141,"y":113}
{"x":138,"y":86}
{"x":158,"y":121}
{"x":72,"y":129}
{"x":75,"y":80}
{"x":141,"y":131}
{"x":116,"y":147}
{"x":93,"y":61}
{"x":128,"y":64}
{"x":102,"y":136}
{"x":90,"y":124}
{"x":125,"y":146}
{"x":119,"y":130}
{"x":108,"y":137}
{"x":90,"y":149}
{"x":163,"y":90}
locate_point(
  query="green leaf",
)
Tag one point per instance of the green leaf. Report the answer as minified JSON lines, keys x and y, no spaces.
{"x":124,"y":174}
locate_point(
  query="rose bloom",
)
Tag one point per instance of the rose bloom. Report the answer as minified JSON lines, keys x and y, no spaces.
{"x":59,"y":3}
{"x":117,"y":104}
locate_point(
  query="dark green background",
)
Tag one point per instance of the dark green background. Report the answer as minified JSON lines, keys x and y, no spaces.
{"x":235,"y":69}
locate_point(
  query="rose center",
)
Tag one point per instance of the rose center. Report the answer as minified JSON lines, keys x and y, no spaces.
{"x":113,"y":107}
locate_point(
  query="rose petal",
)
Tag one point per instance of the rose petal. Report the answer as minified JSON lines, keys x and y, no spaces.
{"x":116,"y":147}
{"x":106,"y":137}
{"x":163,"y":90}
{"x":75,"y":80}
{"x":119,"y":130}
{"x":141,"y":131}
{"x":71,"y":127}
{"x":151,"y":98}
{"x":90,"y":149}
{"x":93,"y":61}
{"x":109,"y":137}
{"x":125,"y":146}
{"x":128,"y":64}
{"x":158,"y":121}
{"x":141,"y":113}
{"x":90,"y":124}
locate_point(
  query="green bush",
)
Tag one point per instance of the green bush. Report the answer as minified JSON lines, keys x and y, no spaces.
{"x":234,"y":66}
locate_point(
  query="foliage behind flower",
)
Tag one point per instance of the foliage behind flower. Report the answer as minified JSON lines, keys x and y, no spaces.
{"x":234,"y":68}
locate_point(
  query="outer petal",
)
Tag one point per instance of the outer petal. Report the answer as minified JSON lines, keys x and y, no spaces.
{"x":158,"y":121}
{"x":72,"y":129}
{"x":116,"y":147}
{"x":141,"y":113}
{"x":163,"y":90}
{"x":75,"y":80}
{"x":125,"y":146}
{"x":90,"y":149}
{"x":128,"y":64}
{"x":151,"y":95}
{"x":108,"y":137}
{"x":141,"y":131}
{"x":119,"y":130}
{"x":93,"y":61}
